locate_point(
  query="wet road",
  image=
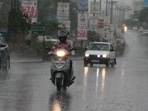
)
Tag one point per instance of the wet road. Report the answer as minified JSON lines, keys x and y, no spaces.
{"x":124,"y":88}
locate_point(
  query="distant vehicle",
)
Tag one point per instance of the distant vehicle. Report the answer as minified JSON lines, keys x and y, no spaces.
{"x":46,"y":38}
{"x":125,"y":28}
{"x":145,"y":32}
{"x":100,"y":53}
{"x":140,"y":29}
{"x":135,"y":28}
{"x":4,"y":55}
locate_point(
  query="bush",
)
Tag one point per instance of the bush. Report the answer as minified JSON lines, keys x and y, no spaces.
{"x":120,"y":49}
{"x":40,"y":46}
{"x":80,"y":51}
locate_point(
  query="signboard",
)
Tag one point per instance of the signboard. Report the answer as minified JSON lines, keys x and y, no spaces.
{"x":63,"y":11}
{"x":37,"y":28}
{"x":93,"y":24}
{"x":64,"y":23}
{"x":82,"y":34}
{"x":94,"y":7}
{"x":83,"y":20}
{"x":137,"y":5}
{"x":30,"y":8}
{"x":82,"y":5}
{"x":100,"y":24}
{"x":107,"y":20}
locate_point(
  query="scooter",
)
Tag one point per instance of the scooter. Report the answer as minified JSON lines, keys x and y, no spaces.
{"x":61,"y":69}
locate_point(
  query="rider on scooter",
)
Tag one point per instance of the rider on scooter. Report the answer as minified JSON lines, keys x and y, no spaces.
{"x":63,"y":44}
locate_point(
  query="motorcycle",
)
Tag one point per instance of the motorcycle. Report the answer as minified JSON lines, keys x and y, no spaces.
{"x":61,"y":69}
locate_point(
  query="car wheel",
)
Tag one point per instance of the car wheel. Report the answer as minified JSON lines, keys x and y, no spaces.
{"x":107,"y":63}
{"x":64,"y":88}
{"x":115,"y":62}
{"x":91,"y":64}
{"x":6,"y":68}
{"x":85,"y":63}
{"x":112,"y":64}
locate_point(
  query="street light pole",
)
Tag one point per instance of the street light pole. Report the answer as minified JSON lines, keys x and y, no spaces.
{"x":100,"y":4}
{"x":106,"y":7}
{"x":111,"y":13}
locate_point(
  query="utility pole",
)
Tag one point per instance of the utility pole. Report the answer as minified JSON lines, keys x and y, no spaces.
{"x":100,"y":4}
{"x":111,"y":13}
{"x":15,"y":4}
{"x":106,"y":7}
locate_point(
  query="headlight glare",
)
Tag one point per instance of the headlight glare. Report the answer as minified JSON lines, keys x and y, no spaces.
{"x":60,"y":53}
{"x":104,"y":55}
{"x":86,"y":55}
{"x":98,"y":55}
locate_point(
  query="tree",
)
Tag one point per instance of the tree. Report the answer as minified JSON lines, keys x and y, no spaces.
{"x":143,"y":17}
{"x":18,"y":23}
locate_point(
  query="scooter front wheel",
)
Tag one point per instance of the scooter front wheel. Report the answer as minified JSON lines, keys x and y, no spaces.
{"x":64,"y":88}
{"x":58,"y":84}
{"x":59,"y":88}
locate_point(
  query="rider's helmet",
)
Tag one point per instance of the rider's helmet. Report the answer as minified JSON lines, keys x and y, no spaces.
{"x":62,"y":35}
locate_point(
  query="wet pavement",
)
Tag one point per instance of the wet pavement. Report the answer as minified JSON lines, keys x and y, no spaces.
{"x":123,"y":88}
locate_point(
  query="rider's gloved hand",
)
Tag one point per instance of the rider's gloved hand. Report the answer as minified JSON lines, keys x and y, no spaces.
{"x":50,"y":52}
{"x":72,"y":52}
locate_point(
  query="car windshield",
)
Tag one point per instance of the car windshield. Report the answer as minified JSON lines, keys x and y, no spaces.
{"x":2,"y":41}
{"x":101,"y":47}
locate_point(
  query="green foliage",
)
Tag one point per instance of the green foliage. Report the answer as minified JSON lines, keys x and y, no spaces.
{"x":93,"y":36}
{"x":131,"y":22}
{"x":143,"y":17}
{"x":80,"y":50}
{"x":18,"y":21}
{"x":51,"y":27}
{"x":40,"y":46}
{"x":120,"y":49}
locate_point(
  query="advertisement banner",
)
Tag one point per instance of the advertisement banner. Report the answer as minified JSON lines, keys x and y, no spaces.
{"x":30,"y":8}
{"x":82,"y":34}
{"x":94,"y":7}
{"x":93,"y":23}
{"x":82,"y":20}
{"x":145,"y":3}
{"x":82,"y":5}
{"x":106,"y":20}
{"x":64,"y":23}
{"x":137,"y":5}
{"x":63,"y":11}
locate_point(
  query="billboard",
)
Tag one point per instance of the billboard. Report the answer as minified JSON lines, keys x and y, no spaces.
{"x":82,"y":5}
{"x":94,"y":7}
{"x":63,"y":11}
{"x":137,"y":5}
{"x":82,"y":20}
{"x":81,"y":34}
{"x":65,"y":24}
{"x":30,"y":8}
{"x":93,"y":22}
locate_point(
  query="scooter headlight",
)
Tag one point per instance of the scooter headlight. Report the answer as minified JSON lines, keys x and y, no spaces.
{"x":60,"y":53}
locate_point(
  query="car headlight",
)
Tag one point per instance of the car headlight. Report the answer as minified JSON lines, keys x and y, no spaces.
{"x":104,"y":55}
{"x":86,"y":55}
{"x":98,"y":55}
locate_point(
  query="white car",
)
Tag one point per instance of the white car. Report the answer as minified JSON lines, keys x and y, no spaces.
{"x":140,"y":29}
{"x":100,"y":53}
{"x":135,"y":28}
{"x":145,"y":32}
